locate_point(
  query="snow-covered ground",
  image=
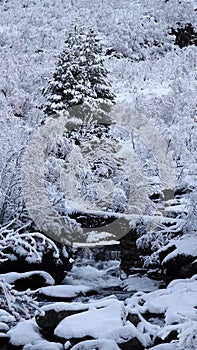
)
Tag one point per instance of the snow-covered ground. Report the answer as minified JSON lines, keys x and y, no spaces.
{"x":154,"y":81}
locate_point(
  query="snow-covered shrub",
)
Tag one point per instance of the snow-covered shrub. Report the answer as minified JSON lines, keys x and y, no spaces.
{"x":19,"y":304}
{"x":29,"y":245}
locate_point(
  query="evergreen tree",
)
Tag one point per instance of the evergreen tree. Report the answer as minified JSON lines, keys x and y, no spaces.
{"x":80,"y":78}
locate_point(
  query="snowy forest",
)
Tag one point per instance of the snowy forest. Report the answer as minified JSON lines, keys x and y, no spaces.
{"x":98,"y":175}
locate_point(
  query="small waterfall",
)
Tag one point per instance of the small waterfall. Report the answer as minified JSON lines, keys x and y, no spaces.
{"x":98,"y":255}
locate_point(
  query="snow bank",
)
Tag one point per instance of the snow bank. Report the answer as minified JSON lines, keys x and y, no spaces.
{"x":6,"y":316}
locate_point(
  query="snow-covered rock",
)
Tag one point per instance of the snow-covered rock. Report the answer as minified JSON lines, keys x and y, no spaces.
{"x":93,"y":323}
{"x":178,"y":303}
{"x":31,"y":279}
{"x":64,"y":292}
{"x":53,"y":314}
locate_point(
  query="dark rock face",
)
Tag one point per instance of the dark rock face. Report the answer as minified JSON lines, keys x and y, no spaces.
{"x":129,"y":253}
{"x":50,"y":320}
{"x":131,"y":344}
{"x":133,"y":318}
{"x":181,"y":266}
{"x":172,"y":336}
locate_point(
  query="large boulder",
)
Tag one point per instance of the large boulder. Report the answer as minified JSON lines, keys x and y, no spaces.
{"x":28,"y":280}
{"x":54,"y":313}
{"x":178,"y":258}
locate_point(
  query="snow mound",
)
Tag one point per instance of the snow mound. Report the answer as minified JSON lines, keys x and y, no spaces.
{"x":24,"y":332}
{"x":3,"y":327}
{"x":125,"y":333}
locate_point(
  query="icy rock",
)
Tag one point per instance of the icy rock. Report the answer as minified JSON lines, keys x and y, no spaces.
{"x":179,"y":257}
{"x":28,"y":280}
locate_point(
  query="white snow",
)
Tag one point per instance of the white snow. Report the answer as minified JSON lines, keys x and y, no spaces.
{"x":62,"y":306}
{"x":94,"y":322}
{"x":24,"y":332}
{"x":43,"y":345}
{"x":178,"y":303}
{"x":125,"y":333}
{"x":166,"y":346}
{"x":5,"y":316}
{"x":3,"y":327}
{"x":64,"y":291}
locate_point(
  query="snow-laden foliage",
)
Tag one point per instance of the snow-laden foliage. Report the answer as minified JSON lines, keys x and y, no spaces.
{"x":80,"y":77}
{"x":29,"y":245}
{"x":19,"y":304}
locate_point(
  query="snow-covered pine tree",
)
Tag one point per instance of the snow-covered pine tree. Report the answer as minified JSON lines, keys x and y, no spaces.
{"x":80,"y":78}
